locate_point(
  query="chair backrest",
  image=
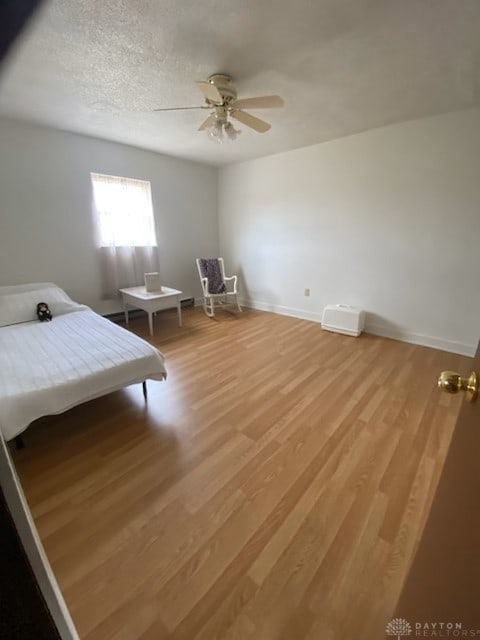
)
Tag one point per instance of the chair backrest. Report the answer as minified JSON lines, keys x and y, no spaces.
{"x":213,"y":270}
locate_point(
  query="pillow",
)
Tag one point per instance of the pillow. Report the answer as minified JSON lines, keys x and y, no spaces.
{"x":21,"y":306}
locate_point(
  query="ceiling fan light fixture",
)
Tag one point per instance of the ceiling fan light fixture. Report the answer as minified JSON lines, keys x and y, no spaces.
{"x":230,"y":131}
{"x":215,"y":131}
{"x":221,"y":130}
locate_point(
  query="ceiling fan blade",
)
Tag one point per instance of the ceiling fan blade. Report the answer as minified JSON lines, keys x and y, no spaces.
{"x":262,"y":102}
{"x":251,"y":121}
{"x":210,"y":91}
{"x":207,"y":123}
{"x":180,"y":108}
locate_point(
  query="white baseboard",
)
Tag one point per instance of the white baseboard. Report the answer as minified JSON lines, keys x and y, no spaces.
{"x":377,"y":329}
{"x":443,"y":344}
{"x":314,"y":316}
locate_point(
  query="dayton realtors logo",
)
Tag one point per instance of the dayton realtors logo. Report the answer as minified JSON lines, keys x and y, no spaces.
{"x":400,"y":628}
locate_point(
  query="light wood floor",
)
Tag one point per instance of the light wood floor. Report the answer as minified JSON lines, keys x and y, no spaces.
{"x":273,"y":488}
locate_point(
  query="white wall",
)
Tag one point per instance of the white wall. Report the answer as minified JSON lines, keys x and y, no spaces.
{"x":46,"y":229}
{"x":388,"y":220}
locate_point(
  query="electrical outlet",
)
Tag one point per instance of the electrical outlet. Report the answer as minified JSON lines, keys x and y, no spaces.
{"x":307,"y":292}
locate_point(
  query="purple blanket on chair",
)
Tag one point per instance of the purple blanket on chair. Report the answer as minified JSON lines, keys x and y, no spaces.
{"x":210,"y":268}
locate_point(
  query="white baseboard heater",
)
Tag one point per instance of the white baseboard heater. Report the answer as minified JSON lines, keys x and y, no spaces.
{"x":343,"y":318}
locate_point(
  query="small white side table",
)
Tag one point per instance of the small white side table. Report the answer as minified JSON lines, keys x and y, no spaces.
{"x":152,"y":301}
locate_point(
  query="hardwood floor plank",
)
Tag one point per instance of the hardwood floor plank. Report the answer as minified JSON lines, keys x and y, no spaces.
{"x":220,"y":620}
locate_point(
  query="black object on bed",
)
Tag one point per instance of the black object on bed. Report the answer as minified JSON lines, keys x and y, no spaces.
{"x":43,"y":312}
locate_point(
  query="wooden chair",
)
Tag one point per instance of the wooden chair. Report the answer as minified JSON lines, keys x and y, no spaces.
{"x":216,"y":286}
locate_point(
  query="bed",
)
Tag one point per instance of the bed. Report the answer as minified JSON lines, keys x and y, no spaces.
{"x":49,"y":367}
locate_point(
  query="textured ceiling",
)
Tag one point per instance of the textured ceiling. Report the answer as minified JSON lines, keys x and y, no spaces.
{"x":342,"y":66}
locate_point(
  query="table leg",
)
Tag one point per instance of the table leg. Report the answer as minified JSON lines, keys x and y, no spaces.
{"x":125,"y":310}
{"x":179,"y":312}
{"x":150,"y":322}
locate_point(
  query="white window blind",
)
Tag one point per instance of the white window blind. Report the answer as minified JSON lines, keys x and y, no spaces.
{"x":123,"y":207}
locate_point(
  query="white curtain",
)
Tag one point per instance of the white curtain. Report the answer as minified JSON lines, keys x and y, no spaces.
{"x":125,"y":231}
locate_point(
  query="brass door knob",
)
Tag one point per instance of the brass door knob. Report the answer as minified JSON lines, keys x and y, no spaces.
{"x":452,"y":382}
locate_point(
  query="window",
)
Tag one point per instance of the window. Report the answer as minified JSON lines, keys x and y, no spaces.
{"x":124,"y":211}
{"x":125,"y":231}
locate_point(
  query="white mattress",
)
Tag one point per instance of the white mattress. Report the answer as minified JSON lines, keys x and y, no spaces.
{"x":49,"y":367}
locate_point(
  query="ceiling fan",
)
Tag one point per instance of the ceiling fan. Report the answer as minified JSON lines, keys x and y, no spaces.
{"x":221,"y":99}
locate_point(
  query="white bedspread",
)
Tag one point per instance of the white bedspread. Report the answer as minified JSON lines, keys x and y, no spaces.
{"x":49,"y":367}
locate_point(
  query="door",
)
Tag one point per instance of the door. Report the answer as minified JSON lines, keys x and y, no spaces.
{"x":443,"y":585}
